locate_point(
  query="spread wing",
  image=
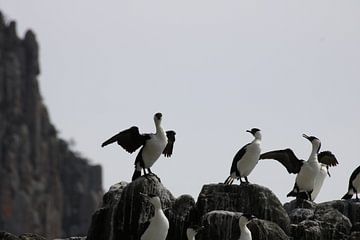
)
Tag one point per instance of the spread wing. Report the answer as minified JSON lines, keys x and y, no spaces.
{"x":130,"y":139}
{"x":327,"y":158}
{"x":170,"y":144}
{"x":286,"y":157}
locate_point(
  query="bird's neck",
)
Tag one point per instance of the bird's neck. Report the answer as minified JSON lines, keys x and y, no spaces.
{"x":159,"y":129}
{"x":158,"y":212}
{"x":258,"y":138}
{"x":314,"y":153}
{"x":245,"y":232}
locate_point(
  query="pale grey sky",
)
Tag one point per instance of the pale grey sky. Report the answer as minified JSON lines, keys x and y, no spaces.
{"x":214,"y":69}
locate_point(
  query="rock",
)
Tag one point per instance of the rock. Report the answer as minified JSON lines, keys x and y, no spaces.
{"x":318,"y":221}
{"x":349,"y":208}
{"x":181,"y":216}
{"x":7,"y":236}
{"x":45,"y":187}
{"x":26,"y":236}
{"x":221,"y":224}
{"x":125,"y":212}
{"x":250,"y":198}
{"x":31,"y":236}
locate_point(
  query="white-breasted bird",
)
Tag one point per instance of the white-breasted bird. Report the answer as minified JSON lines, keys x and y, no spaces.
{"x":245,"y":233}
{"x":309,"y":174}
{"x":245,"y":159}
{"x":152,"y":145}
{"x":157,"y":227}
{"x":354,"y":185}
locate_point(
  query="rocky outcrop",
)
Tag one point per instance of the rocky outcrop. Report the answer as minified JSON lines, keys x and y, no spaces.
{"x":45,"y":188}
{"x":124,"y":212}
{"x":334,"y":220}
{"x":250,"y":198}
{"x":218,"y":209}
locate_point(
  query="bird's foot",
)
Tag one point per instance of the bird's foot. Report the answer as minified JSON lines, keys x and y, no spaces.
{"x":150,"y":175}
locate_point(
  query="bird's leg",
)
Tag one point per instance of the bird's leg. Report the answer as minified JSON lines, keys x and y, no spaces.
{"x":309,"y":195}
{"x":151,"y":173}
{"x":231,"y":181}
{"x":241,"y":181}
{"x":246,"y":179}
{"x":227,"y":181}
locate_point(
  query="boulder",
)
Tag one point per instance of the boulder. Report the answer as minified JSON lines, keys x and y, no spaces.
{"x":221,"y":224}
{"x":250,"y":198}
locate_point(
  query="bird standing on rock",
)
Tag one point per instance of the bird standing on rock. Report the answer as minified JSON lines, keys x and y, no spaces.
{"x":152,"y":145}
{"x":354,"y":185}
{"x":245,"y":159}
{"x":308,"y":172}
{"x":157,"y":227}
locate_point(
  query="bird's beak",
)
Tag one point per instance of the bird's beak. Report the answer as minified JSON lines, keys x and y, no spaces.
{"x":306,"y":136}
{"x":145,"y":196}
{"x":249,"y":131}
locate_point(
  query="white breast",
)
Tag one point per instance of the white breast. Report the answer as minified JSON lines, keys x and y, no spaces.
{"x":158,"y":228}
{"x":305,"y":179}
{"x":153,"y":149}
{"x":249,"y":160}
{"x":245,"y":234}
{"x":319,"y":180}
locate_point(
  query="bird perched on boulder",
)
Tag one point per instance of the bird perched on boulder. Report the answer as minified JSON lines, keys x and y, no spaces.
{"x":245,"y":159}
{"x":152,"y":145}
{"x":310,"y":173}
{"x":245,"y":233}
{"x":157,"y":227}
{"x":354,"y":185}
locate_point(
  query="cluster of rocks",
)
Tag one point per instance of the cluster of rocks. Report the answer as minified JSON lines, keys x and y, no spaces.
{"x":45,"y":187}
{"x":218,"y":209}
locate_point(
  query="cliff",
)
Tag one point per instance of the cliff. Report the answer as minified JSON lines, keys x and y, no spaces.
{"x":45,"y":188}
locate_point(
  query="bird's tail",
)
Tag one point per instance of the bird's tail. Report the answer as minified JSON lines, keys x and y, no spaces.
{"x":347,"y":196}
{"x":136,"y":174}
{"x":292,"y":194}
{"x":227,"y":181}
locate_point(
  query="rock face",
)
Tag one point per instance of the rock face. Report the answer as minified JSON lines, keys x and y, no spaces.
{"x":45,"y":188}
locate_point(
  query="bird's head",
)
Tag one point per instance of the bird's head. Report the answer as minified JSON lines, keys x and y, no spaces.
{"x":314,"y":141}
{"x":157,"y":118}
{"x":255,"y":132}
{"x":245,"y":218}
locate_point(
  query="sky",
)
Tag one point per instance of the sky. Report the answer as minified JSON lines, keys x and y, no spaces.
{"x":214,"y":69}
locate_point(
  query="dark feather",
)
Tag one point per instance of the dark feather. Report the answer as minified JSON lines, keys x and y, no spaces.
{"x":170,"y":144}
{"x":286,"y":157}
{"x":236,"y":158}
{"x":327,"y":158}
{"x":130,"y":139}
{"x":354,"y":174}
